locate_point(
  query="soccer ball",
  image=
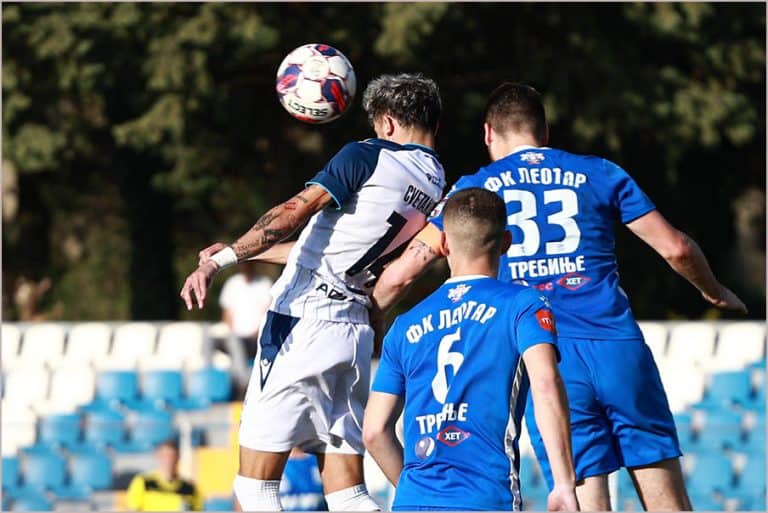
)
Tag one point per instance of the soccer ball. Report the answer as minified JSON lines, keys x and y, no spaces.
{"x":315,"y":83}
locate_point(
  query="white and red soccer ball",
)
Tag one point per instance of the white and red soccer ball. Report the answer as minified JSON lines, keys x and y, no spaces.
{"x":315,"y":83}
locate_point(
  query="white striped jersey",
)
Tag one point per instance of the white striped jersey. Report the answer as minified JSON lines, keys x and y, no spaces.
{"x":456,"y":357}
{"x":383,"y":192}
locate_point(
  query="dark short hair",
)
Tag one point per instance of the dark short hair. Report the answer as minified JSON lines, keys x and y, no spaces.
{"x":412,"y":99}
{"x":172,"y":442}
{"x":516,"y":107}
{"x":479,"y":219}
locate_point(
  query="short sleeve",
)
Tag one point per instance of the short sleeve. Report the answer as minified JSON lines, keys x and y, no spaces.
{"x":390,"y":377}
{"x":627,"y":197}
{"x":347,"y":171}
{"x":436,"y":217}
{"x":534,"y":322}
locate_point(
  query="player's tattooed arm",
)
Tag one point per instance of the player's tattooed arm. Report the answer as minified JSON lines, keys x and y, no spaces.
{"x":281,"y":221}
{"x":394,"y":282}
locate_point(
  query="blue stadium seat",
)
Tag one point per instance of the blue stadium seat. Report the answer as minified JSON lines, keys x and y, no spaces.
{"x":162,"y":387}
{"x":727,"y":388}
{"x":10,"y":475}
{"x":90,"y":470}
{"x":104,"y":428}
{"x":151,"y":428}
{"x":219,"y":504}
{"x":43,"y":470}
{"x":711,"y":472}
{"x":722,"y":428}
{"x":60,"y":430}
{"x":706,"y":502}
{"x":752,"y":476}
{"x":626,"y":486}
{"x":32,"y":502}
{"x":628,"y":502}
{"x":206,"y":386}
{"x":117,"y":386}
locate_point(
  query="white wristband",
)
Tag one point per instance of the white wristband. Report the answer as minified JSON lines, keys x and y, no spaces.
{"x":225,"y":258}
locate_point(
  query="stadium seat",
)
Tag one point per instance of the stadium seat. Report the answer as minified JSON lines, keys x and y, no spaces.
{"x":219,"y":504}
{"x":206,"y":386}
{"x":726,"y":388}
{"x":18,"y":429}
{"x":149,"y":429}
{"x":691,"y":344}
{"x":43,"y":470}
{"x":32,"y":502}
{"x":43,"y":343}
{"x":684,"y":385}
{"x":26,"y":385}
{"x":131,"y":342}
{"x":755,"y":440}
{"x":706,"y":502}
{"x":711,"y":472}
{"x":71,"y":386}
{"x":10,"y":475}
{"x":10,"y":337}
{"x":739,"y":344}
{"x":87,"y":342}
{"x":91,"y":470}
{"x":655,"y":335}
{"x":179,"y":343}
{"x":722,"y":428}
{"x":752,"y":477}
{"x":104,"y":428}
{"x":61,"y":430}
{"x":117,"y":386}
{"x":161,"y":387}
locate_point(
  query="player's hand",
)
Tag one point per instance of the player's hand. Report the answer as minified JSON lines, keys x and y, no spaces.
{"x":726,"y":300}
{"x":196,"y":285}
{"x":205,"y":255}
{"x":562,"y":498}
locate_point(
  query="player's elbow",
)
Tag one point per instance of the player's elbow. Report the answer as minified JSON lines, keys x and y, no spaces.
{"x":679,"y":250}
{"x":372,"y":435}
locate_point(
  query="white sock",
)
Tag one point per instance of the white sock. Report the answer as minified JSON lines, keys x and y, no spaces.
{"x":257,"y":495}
{"x":355,"y":498}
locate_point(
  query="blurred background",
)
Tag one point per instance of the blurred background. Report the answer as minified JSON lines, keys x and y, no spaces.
{"x":136,"y":134}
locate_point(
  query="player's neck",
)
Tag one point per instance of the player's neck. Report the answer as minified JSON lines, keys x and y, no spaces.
{"x":512,"y":142}
{"x":420,"y":137}
{"x":484,"y":266}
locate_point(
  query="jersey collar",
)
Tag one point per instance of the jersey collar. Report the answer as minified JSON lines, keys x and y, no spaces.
{"x":467,"y":277}
{"x":528,"y":147}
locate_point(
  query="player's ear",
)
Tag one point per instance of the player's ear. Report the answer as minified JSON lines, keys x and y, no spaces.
{"x":487,"y":134}
{"x":390,"y":124}
{"x":506,"y":242}
{"x":444,"y":244}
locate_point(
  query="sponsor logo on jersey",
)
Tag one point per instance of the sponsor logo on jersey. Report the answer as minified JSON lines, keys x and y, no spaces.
{"x":532,"y":157}
{"x":452,"y":436}
{"x":331,"y":293}
{"x":544,"y":286}
{"x":573,"y":281}
{"x":457,"y":292}
{"x":546,"y":320}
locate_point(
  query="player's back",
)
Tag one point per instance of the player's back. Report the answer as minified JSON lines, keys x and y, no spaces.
{"x":465,"y":389}
{"x":561,"y":210}
{"x":382,"y":192}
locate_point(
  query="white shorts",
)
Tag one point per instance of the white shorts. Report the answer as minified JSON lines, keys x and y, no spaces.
{"x":308,"y":388}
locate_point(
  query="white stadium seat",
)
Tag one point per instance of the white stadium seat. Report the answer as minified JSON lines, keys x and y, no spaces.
{"x":739,"y":344}
{"x":655,"y":335}
{"x":131,"y":342}
{"x":18,"y":427}
{"x":11,"y":340}
{"x":26,"y":386}
{"x":180,"y":343}
{"x":692,"y":344}
{"x":684,"y":384}
{"x":87,"y":342}
{"x":43,"y":343}
{"x":71,"y":386}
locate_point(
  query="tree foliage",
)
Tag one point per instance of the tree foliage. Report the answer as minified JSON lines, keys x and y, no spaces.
{"x":140,"y":132}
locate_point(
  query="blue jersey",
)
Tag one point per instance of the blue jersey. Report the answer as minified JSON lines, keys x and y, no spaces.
{"x":561,"y":209}
{"x":456,"y":358}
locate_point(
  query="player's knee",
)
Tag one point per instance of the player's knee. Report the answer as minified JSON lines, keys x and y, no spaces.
{"x":355,"y":498}
{"x":257,"y":494}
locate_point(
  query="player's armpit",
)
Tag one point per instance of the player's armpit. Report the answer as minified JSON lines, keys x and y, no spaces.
{"x":379,"y":435}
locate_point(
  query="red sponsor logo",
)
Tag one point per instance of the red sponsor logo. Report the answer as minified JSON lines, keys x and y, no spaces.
{"x":573,"y":281}
{"x":546,"y":320}
{"x":545,"y":286}
{"x":452,"y":436}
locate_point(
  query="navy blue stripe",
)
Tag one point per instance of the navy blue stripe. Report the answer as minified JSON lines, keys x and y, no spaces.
{"x":276,"y":330}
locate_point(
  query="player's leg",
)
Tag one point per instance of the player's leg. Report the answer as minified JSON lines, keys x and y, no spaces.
{"x":594,"y":453}
{"x":661,"y":486}
{"x":593,"y":493}
{"x":642,"y":422}
{"x":343,"y":483}
{"x":257,"y":484}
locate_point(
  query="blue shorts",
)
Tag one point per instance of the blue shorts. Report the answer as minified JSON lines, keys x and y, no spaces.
{"x":620,"y":415}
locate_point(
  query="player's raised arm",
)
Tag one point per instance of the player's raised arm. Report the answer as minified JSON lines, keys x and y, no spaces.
{"x":277,"y":254}
{"x":552,"y":418}
{"x":415,"y":260}
{"x":274,"y":226}
{"x":684,"y":256}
